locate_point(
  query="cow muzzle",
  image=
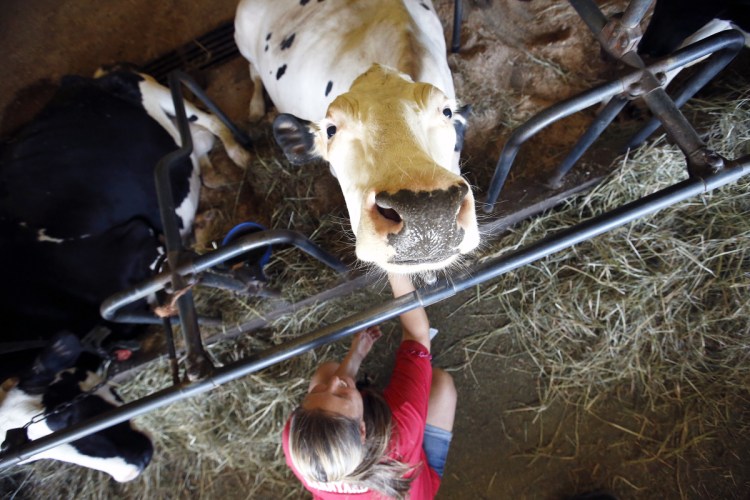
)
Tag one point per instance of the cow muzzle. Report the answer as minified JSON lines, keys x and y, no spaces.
{"x":424,"y":230}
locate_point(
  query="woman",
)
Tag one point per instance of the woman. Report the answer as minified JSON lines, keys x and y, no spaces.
{"x":343,"y":443}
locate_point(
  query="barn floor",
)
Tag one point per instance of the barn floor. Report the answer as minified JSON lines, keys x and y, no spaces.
{"x":517,"y":58}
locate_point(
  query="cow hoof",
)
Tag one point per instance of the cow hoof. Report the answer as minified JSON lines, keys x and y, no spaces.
{"x":240,"y":156}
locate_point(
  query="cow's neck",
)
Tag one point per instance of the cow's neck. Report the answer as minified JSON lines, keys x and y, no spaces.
{"x":391,"y":26}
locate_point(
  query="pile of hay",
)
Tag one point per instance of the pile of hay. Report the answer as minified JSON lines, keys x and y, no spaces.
{"x":661,"y":303}
{"x":645,"y":329}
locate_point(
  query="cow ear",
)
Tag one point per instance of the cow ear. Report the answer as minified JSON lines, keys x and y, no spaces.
{"x":296,"y":138}
{"x":59,"y":355}
{"x":460,"y":118}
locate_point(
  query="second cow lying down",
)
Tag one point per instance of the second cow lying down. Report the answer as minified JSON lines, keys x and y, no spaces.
{"x":80,"y":221}
{"x":366,"y":86}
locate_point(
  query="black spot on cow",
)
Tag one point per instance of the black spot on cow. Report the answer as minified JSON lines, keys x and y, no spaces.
{"x":266,"y":49}
{"x":328,"y":88}
{"x":268,"y":36}
{"x":287,"y":42}
{"x":280,"y":72}
{"x":303,"y":2}
{"x":424,"y":5}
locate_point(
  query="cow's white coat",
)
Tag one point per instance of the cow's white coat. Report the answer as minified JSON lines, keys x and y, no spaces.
{"x":377,"y":71}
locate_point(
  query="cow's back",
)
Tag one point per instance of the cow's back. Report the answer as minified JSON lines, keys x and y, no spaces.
{"x":309,"y":52}
{"x":90,"y":155}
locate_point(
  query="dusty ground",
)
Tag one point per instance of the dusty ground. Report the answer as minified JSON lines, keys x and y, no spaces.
{"x":517,"y":58}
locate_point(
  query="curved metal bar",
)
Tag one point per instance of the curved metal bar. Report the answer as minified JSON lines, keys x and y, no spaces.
{"x":242,"y":138}
{"x":244,"y":244}
{"x":601,"y":122}
{"x":538,"y":122}
{"x":387,"y":310}
{"x":714,"y":43}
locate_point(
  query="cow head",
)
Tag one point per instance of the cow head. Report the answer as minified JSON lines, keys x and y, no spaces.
{"x":393,"y":146}
{"x":58,"y":375}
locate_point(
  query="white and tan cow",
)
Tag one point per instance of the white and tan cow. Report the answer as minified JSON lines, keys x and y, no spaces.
{"x":366,"y":86}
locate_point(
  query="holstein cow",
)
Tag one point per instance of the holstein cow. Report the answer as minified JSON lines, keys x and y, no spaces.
{"x":78,"y":206}
{"x":59,"y":375}
{"x":80,"y":221}
{"x":679,"y":22}
{"x":366,"y":86}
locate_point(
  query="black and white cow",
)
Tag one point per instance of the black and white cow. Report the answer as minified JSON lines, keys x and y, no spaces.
{"x":366,"y":86}
{"x":60,"y":374}
{"x":78,"y":206}
{"x":679,"y":22}
{"x":80,"y":221}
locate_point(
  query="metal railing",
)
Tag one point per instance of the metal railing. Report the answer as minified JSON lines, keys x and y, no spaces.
{"x":643,"y":83}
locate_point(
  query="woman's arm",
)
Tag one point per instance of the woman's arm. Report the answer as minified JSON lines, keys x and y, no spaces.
{"x":360,"y":348}
{"x":415,"y":324}
{"x":349,"y":366}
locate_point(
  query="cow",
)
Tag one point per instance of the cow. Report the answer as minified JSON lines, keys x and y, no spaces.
{"x":675,"y":23}
{"x":366,"y":87}
{"x":79,"y":211}
{"x":80,"y":221}
{"x":61,"y":374}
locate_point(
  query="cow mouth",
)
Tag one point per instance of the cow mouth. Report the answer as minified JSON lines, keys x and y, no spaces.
{"x":426,"y":260}
{"x":412,"y":266}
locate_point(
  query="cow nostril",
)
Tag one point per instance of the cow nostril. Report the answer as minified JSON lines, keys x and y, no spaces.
{"x":389,"y":214}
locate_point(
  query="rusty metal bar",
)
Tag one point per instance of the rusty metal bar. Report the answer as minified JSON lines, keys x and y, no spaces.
{"x":635,"y":12}
{"x":709,"y":69}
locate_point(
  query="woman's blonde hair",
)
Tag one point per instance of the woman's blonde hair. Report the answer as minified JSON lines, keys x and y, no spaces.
{"x":326,"y":447}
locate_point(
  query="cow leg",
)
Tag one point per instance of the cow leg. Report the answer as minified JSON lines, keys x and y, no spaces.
{"x":157,"y":101}
{"x":257,"y":103}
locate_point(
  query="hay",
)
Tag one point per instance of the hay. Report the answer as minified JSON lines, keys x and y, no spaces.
{"x":654,"y":313}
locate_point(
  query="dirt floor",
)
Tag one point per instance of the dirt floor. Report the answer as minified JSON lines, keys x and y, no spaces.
{"x":517,"y":57}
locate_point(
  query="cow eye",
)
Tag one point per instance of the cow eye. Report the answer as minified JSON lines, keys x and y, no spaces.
{"x":447,"y":112}
{"x":331,"y":131}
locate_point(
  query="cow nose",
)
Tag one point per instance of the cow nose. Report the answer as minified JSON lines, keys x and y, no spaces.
{"x":424,"y":226}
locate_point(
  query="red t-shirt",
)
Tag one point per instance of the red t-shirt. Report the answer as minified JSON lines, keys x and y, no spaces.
{"x":407,"y":396}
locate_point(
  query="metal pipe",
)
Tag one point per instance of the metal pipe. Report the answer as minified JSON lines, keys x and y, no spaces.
{"x":538,"y":122}
{"x":634,"y":13}
{"x":591,"y":15}
{"x":198,"y":362}
{"x":718,"y":61}
{"x":241,"y":245}
{"x":239,"y":136}
{"x":389,"y":309}
{"x":531,"y":127}
{"x":457,"y":18}
{"x":601,"y":122}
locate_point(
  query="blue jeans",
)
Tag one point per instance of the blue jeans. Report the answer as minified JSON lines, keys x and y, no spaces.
{"x":436,"y":443}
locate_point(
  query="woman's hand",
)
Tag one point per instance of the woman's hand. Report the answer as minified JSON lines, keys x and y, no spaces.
{"x":360,"y":348}
{"x":364,"y":340}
